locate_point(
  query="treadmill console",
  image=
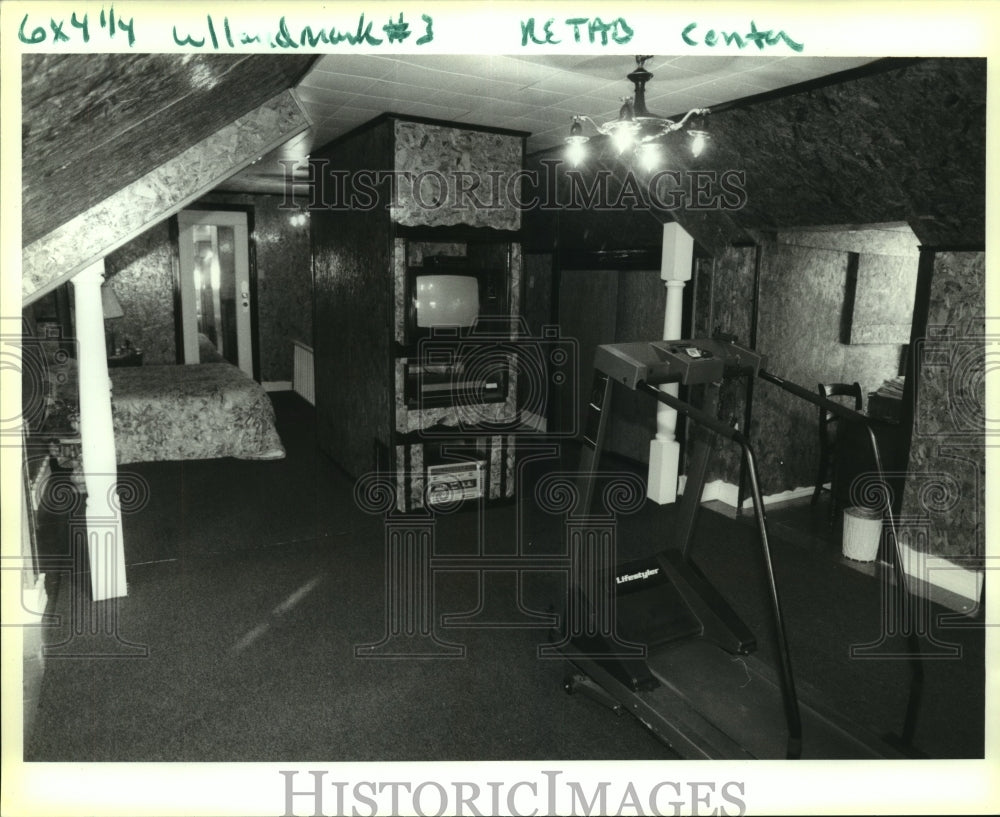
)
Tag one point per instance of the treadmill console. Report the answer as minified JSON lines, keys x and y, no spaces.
{"x":687,"y":362}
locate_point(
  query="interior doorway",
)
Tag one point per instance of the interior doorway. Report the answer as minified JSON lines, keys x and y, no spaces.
{"x":613,"y":297}
{"x":216,"y":288}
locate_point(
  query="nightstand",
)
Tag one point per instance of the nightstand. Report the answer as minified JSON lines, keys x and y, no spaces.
{"x":131,"y":357}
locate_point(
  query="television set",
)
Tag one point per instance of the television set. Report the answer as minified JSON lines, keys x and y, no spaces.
{"x":452,"y":298}
{"x":445,"y":300}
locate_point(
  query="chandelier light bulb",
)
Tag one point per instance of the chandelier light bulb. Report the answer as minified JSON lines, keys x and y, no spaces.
{"x":649,"y":156}
{"x":575,"y":142}
{"x":623,"y":136}
{"x":636,"y":125}
{"x":576,"y":152}
{"x":699,"y":140}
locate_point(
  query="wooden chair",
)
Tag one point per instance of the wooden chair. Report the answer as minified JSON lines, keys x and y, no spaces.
{"x":828,"y":422}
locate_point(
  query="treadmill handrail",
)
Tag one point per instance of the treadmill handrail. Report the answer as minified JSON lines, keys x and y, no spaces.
{"x":899,"y":573}
{"x":832,"y":406}
{"x":700,"y":416}
{"x":733,"y":433}
{"x":857,"y":416}
{"x":790,"y":702}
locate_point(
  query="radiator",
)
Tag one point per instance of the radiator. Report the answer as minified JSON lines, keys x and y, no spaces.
{"x":303,"y":375}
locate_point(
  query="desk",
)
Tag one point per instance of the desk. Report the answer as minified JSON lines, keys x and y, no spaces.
{"x":855,"y":459}
{"x":885,"y":408}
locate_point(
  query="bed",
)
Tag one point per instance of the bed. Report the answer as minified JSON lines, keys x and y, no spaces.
{"x":191,"y":412}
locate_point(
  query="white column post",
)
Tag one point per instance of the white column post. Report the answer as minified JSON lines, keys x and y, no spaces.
{"x":105,"y":545}
{"x":664,"y":450}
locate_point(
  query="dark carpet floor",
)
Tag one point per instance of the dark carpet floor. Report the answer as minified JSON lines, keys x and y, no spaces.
{"x":252,"y":584}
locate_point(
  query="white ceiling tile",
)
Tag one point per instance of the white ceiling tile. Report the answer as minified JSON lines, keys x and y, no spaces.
{"x":716,"y":65}
{"x":448,"y":76}
{"x":502,"y":109}
{"x":564,"y":82}
{"x":540,"y":97}
{"x":537,"y":93}
{"x":428,"y":110}
{"x":358,"y":65}
{"x":327,"y":101}
{"x":597,"y":68}
{"x":513,"y":70}
{"x":383,"y":89}
{"x":321,"y":96}
{"x":340,"y":83}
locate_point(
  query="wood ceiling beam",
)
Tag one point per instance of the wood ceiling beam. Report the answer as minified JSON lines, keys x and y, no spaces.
{"x":56,"y":257}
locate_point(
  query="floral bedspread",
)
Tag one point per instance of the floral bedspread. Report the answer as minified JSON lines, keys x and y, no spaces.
{"x":191,"y":412}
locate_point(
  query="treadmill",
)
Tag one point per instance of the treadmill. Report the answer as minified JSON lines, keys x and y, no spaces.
{"x":654,"y":639}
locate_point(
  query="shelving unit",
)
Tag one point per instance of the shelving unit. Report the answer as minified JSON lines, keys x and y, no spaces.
{"x":385,"y":402}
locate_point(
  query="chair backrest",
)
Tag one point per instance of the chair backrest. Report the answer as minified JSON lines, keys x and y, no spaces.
{"x":826,"y":417}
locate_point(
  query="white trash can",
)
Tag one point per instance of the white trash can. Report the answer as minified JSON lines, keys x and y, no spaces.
{"x":862,"y":533}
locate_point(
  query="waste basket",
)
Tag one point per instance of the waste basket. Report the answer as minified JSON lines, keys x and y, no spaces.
{"x":862,"y":533}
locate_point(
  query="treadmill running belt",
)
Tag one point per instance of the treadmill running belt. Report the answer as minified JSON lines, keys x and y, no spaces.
{"x":740,"y":697}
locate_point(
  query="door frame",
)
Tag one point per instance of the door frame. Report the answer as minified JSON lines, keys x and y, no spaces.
{"x":635,"y":259}
{"x":174,"y":228}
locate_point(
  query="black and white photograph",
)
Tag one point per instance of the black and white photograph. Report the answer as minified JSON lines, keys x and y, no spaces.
{"x":448,"y":409}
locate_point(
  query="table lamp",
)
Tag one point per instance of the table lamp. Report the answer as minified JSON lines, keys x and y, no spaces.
{"x":112,"y":311}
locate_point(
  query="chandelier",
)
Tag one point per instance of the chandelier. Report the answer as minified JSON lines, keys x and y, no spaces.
{"x":636,"y":132}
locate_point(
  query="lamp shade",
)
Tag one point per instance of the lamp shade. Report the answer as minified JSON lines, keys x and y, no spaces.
{"x":109,"y":302}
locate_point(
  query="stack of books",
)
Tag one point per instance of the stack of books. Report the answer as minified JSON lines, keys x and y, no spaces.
{"x":892,"y":388}
{"x":886,"y":402}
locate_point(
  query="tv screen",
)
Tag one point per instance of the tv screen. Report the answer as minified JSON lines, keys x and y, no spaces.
{"x":446,"y":300}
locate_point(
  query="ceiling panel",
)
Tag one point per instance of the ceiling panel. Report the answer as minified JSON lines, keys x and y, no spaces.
{"x":538,"y":94}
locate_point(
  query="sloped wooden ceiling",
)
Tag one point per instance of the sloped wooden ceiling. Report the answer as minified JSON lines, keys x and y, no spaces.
{"x":903,"y":145}
{"x":94,"y":123}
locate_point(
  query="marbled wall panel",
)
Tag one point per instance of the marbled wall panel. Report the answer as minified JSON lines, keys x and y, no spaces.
{"x":284,"y":281}
{"x":888,"y":239}
{"x":514,"y":284}
{"x":945,"y":489}
{"x":400,"y":306}
{"x":417,"y":250}
{"x":883,"y":299}
{"x":801,"y":297}
{"x":142,"y":276}
{"x":436,"y":154}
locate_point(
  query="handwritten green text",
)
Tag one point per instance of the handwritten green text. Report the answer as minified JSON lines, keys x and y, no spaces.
{"x":592,"y":30}
{"x":76,"y":29}
{"x":761,"y":39}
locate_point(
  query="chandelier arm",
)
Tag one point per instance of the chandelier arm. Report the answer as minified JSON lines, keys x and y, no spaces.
{"x":601,"y":129}
{"x":636,"y":124}
{"x":689,"y":114}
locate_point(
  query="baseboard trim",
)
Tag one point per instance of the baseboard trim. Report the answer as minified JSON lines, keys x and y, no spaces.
{"x":728,"y":493}
{"x":942,"y":580}
{"x":949,"y":583}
